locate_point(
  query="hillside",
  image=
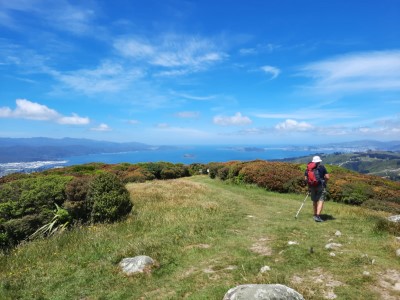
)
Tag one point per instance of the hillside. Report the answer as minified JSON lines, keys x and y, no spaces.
{"x":384,"y":164}
{"x":208,"y":236}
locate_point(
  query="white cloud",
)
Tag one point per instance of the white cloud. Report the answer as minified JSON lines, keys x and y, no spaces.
{"x":73,"y":120}
{"x":26,"y":109}
{"x":178,"y":54}
{"x":274,"y":72}
{"x":293,"y":125}
{"x":379,"y":70}
{"x":101,"y":127}
{"x":134,"y":122}
{"x":188,"y":114}
{"x":236,"y":120}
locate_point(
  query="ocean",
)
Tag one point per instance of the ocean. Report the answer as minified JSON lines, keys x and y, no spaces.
{"x":194,"y":154}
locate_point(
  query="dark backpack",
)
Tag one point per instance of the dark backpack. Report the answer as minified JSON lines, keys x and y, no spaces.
{"x":313,"y":178}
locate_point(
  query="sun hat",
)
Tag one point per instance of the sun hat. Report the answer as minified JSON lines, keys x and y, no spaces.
{"x":316,"y":159}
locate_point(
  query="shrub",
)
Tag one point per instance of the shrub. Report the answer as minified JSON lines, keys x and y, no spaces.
{"x":356,"y":193}
{"x":27,"y":204}
{"x":108,"y":199}
{"x":76,"y":192}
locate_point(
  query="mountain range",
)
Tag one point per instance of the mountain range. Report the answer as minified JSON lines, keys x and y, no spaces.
{"x":46,"y":149}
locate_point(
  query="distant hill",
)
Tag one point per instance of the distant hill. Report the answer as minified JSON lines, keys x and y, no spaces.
{"x":41,"y":149}
{"x":385,"y":164}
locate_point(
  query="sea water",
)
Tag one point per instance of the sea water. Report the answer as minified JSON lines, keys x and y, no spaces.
{"x":193,"y":154}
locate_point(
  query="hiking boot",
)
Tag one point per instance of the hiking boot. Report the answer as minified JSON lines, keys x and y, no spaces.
{"x":318,"y":219}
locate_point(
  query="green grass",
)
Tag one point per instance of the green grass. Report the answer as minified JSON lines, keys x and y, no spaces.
{"x":208,"y":236}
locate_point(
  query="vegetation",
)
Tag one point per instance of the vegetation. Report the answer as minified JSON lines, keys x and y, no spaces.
{"x":89,"y":193}
{"x":207,"y":237}
{"x":345,"y":186}
{"x":384,"y":164}
{"x":95,"y":192}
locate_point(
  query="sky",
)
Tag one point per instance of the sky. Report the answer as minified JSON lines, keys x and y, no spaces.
{"x":199,"y":72}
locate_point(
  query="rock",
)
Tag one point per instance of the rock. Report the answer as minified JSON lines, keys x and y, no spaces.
{"x":338,"y":233}
{"x":333,"y":246}
{"x":137,"y":264}
{"x":395,"y":218}
{"x":262,"y":292}
{"x":293,"y":243}
{"x":398,"y":252}
{"x":366,"y":273}
{"x":265,"y":269}
{"x":398,"y":239}
{"x":332,"y":254}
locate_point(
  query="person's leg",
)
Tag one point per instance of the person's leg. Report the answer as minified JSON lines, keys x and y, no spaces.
{"x":319,"y":207}
{"x":320,"y":203}
{"x":315,"y":207}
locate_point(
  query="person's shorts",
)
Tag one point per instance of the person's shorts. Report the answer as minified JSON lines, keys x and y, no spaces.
{"x":318,"y":193}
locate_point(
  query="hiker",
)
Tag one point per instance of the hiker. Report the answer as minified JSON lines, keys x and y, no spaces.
{"x":316,"y":176}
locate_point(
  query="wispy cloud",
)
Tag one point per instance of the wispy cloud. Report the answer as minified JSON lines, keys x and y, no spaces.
{"x":236,"y":120}
{"x":26,"y":109}
{"x":193,"y":97}
{"x":177,"y":54}
{"x":367,"y":71}
{"x":188,"y":114}
{"x":307,"y":114}
{"x":260,"y":48}
{"x":273,"y":71}
{"x":61,"y":15}
{"x":107,"y":77}
{"x":101,"y":127}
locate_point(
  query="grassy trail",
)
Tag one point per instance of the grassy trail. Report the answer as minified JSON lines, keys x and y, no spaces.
{"x":207,"y":237}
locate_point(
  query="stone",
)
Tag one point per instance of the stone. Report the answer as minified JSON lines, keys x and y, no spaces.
{"x":265,"y":269}
{"x":292,"y":243}
{"x":137,"y":264}
{"x":332,"y":254}
{"x":395,"y":218}
{"x":262,"y":292}
{"x":398,"y":252}
{"x":366,"y":273}
{"x":333,"y":246}
{"x":338,"y":233}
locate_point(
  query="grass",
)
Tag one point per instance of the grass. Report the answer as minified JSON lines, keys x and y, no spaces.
{"x":208,"y":236}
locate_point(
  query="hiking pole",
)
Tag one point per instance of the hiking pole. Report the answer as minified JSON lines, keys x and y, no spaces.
{"x":302,"y":205}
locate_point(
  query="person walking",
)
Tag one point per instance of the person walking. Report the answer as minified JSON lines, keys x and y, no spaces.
{"x":316,"y":176}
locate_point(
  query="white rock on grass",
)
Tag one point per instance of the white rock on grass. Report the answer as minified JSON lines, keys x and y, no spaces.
{"x":290,"y":243}
{"x":398,"y":252}
{"x":395,"y":218}
{"x":332,"y":254}
{"x":137,"y":264}
{"x":262,"y":291}
{"x":338,"y":233}
{"x":265,"y":269}
{"x":333,"y":246}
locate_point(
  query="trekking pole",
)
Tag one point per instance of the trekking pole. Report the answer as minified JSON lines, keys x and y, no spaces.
{"x":302,"y":205}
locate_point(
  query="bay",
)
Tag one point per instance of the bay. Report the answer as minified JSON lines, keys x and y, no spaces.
{"x":194,"y":154}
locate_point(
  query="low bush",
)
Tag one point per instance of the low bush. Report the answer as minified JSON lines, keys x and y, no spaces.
{"x":107,"y":199}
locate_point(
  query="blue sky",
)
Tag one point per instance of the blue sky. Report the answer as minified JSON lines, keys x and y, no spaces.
{"x":201,"y":72}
